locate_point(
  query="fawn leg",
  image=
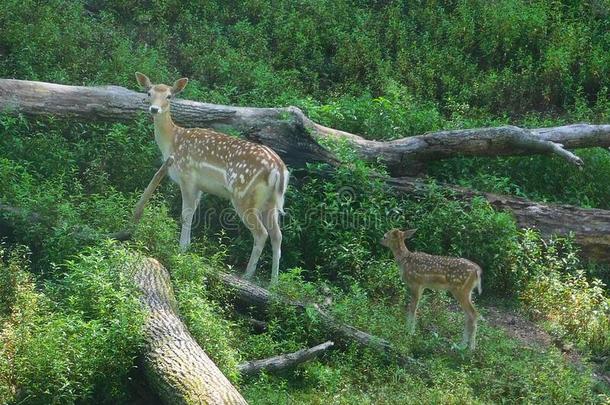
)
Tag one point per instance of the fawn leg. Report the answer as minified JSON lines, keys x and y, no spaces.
{"x":271,"y":222}
{"x":416,"y":293}
{"x":471,"y":315}
{"x":251,"y":217}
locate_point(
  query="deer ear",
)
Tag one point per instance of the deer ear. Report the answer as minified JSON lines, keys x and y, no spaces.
{"x":179,"y":85}
{"x":143,"y":80}
{"x":409,"y":233}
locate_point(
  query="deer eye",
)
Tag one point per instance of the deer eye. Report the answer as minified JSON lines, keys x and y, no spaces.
{"x":169,"y":96}
{"x":149,"y":94}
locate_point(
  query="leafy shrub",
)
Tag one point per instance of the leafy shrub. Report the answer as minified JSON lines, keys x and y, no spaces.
{"x":334,"y":222}
{"x":82,"y":345}
{"x":539,"y":178}
{"x":574,"y":308}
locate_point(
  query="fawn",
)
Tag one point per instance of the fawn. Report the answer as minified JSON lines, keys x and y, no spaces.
{"x":251,"y":176}
{"x":420,"y":270}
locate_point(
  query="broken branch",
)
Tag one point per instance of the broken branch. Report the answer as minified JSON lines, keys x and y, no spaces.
{"x":284,"y":361}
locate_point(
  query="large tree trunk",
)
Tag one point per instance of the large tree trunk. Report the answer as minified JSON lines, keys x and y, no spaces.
{"x":590,"y":227}
{"x":287,"y":129}
{"x":176,"y":366}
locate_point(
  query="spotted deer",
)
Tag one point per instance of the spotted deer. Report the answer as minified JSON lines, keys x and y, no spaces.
{"x":251,"y":176}
{"x":420,"y":271}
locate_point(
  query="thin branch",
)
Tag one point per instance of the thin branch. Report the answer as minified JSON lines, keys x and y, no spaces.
{"x":284,"y":361}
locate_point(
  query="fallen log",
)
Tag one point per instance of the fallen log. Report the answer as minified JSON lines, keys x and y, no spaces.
{"x":284,"y":361}
{"x":287,"y":130}
{"x":252,"y":295}
{"x":589,"y":227}
{"x":176,"y":366}
{"x":275,"y":127}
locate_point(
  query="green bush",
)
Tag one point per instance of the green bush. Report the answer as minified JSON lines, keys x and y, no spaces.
{"x":573,"y":307}
{"x":77,"y":340}
{"x":381,"y":69}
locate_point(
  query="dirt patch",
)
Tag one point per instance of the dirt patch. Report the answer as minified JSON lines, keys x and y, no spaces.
{"x":531,"y":335}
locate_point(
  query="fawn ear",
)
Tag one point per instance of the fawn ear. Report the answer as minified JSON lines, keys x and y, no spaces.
{"x":179,"y":85}
{"x":408,"y":233}
{"x":143,"y":80}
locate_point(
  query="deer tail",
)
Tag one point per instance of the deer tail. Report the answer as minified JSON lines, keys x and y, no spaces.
{"x":279,"y":180}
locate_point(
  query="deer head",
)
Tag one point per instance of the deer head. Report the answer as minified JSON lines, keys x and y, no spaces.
{"x":395,"y":237}
{"x":159,"y":95}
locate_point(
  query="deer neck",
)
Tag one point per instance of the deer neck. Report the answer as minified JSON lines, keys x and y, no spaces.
{"x":165,"y":130}
{"x":400,"y":251}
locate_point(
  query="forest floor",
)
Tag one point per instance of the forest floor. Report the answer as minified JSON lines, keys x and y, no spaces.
{"x":533,"y":336}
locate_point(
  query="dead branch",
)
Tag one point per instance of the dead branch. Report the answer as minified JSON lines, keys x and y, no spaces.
{"x":284,"y":361}
{"x":252,"y":295}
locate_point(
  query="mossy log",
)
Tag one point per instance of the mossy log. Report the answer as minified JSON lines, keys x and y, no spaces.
{"x":175,"y":365}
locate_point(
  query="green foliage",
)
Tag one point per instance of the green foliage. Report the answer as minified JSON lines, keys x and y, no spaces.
{"x":336,"y":221}
{"x":574,"y":308}
{"x":539,"y":178}
{"x":78,"y":339}
{"x":506,"y":57}
{"x":69,"y":330}
{"x":395,"y":114}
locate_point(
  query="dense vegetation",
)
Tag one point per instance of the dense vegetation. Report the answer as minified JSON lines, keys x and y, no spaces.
{"x":384,"y":69}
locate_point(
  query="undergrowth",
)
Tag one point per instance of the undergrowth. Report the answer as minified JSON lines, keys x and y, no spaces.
{"x":70,"y":331}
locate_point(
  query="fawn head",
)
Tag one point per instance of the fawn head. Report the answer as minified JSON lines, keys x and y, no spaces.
{"x":393,"y":238}
{"x":159,"y":95}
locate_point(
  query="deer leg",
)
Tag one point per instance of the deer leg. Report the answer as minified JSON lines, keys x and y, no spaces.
{"x":416,"y":293}
{"x":471,"y":315}
{"x":275,"y":235}
{"x":251,"y":218}
{"x":190,"y":200}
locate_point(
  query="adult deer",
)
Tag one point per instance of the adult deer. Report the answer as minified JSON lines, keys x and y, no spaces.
{"x":420,"y":270}
{"x":251,"y":176}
